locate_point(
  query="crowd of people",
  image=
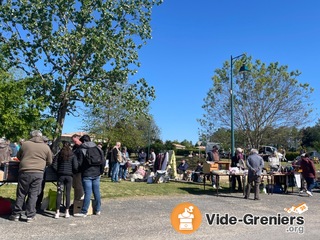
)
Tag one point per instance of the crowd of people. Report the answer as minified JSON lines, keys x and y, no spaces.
{"x":254,"y":165}
{"x":80,"y":166}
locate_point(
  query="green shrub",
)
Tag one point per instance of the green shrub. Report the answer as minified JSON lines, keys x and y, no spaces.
{"x":290,"y":156}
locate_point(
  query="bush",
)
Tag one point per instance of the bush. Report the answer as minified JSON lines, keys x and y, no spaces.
{"x":290,"y":156}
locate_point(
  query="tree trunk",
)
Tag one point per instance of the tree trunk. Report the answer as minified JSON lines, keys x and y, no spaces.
{"x":60,"y":121}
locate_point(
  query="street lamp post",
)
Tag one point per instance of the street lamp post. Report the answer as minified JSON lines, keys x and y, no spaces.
{"x":242,"y":69}
{"x":199,"y":143}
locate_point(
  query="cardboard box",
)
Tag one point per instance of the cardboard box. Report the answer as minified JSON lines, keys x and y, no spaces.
{"x":77,"y":205}
{"x":210,"y":166}
{"x":1,"y":175}
{"x":11,"y":171}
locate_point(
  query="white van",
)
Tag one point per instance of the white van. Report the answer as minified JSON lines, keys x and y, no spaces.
{"x":268,"y":150}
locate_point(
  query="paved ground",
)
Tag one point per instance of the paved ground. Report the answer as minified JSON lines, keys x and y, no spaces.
{"x":149,"y":218}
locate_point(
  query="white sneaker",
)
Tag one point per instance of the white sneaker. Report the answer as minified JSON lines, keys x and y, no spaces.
{"x":56,"y":216}
{"x":67,"y":215}
{"x":300,"y":192}
{"x":214,"y":186}
{"x":309,"y":193}
{"x":79,"y":215}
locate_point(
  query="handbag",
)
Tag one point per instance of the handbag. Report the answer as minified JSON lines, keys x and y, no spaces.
{"x":52,"y":195}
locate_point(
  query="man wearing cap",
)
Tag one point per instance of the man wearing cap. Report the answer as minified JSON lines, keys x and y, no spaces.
{"x":235,"y":163}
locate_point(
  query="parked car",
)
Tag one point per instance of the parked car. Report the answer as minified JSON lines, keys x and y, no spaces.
{"x":314,"y":154}
{"x":268,"y":150}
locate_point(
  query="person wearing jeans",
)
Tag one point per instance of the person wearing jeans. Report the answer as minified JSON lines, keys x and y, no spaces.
{"x":91,"y":184}
{"x":90,"y":173}
{"x":115,"y":159}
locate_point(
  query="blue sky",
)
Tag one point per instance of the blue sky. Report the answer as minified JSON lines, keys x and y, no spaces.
{"x":191,"y":39}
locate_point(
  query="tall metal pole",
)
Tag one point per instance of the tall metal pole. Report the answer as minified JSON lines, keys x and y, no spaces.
{"x":149,"y":133}
{"x":232,"y":113}
{"x":232,"y":103}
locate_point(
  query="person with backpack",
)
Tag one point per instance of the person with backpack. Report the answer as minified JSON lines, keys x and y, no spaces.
{"x":65,"y":164}
{"x":91,"y":165}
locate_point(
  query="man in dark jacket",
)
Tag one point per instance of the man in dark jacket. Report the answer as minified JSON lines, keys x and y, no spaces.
{"x":77,"y":181}
{"x":34,"y":156}
{"x":235,"y":163}
{"x":90,"y":176}
{"x":255,"y":164}
{"x":308,"y":172}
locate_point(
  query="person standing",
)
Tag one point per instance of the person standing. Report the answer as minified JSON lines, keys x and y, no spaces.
{"x":65,"y":163}
{"x":123,"y":171}
{"x":213,"y":156}
{"x":235,"y":163}
{"x":77,"y":181}
{"x":91,"y":166}
{"x":152,"y":157}
{"x":34,"y":156}
{"x":115,"y":159}
{"x":43,"y":184}
{"x":308,"y":172}
{"x":255,"y":164}
{"x":5,"y":151}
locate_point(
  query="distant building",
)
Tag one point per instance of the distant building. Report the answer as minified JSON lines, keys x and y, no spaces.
{"x":178,"y":146}
{"x":67,"y":136}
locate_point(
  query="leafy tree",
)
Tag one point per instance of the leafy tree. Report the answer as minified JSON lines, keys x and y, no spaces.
{"x":168,"y":145}
{"x":311,"y":137}
{"x":269,"y":96}
{"x":282,"y":137}
{"x":81,"y":51}
{"x":20,"y":110}
{"x":186,"y":143}
{"x":112,"y":123}
{"x":158,"y":146}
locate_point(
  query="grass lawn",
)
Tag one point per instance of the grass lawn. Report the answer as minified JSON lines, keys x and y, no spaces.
{"x":131,"y":189}
{"x":140,"y":189}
